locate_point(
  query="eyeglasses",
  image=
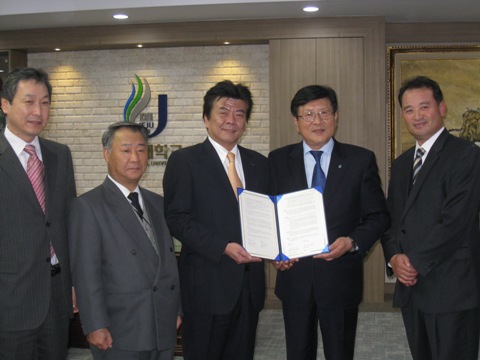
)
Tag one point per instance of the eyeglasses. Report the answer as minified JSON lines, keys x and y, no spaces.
{"x":310,"y":116}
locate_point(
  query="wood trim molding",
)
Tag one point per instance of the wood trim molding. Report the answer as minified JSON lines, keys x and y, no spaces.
{"x":182,"y":34}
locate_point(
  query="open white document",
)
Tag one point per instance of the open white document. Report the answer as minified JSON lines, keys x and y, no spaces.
{"x":283,"y":227}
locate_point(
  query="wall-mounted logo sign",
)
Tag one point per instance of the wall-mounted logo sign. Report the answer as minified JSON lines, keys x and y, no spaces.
{"x":138,"y":101}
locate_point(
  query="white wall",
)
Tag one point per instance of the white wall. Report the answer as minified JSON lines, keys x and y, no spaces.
{"x":91,"y":88}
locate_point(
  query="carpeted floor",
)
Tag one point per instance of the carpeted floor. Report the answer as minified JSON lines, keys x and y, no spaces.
{"x":380,"y":336}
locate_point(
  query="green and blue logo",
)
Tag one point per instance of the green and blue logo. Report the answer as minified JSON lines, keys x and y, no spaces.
{"x":138,"y":101}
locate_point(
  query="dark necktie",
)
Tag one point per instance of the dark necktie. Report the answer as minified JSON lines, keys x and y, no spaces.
{"x":133,"y":196}
{"x":318,"y":177}
{"x":417,"y":164}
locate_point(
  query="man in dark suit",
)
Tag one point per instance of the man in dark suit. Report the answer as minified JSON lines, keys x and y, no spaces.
{"x":327,"y":287}
{"x":35,"y":284}
{"x":123,"y":261}
{"x":433,"y":246}
{"x":223,"y":286}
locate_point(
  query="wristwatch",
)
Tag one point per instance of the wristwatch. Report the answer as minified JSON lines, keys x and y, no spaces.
{"x":354,"y":244}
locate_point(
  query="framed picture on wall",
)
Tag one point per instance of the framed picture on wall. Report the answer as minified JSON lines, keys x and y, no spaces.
{"x":456,"y":69}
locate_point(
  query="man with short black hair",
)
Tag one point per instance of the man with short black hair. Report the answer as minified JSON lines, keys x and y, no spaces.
{"x":223,"y":286}
{"x":433,"y":246}
{"x":36,"y":187}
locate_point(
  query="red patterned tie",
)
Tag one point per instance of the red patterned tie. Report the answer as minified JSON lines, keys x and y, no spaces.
{"x":36,"y":174}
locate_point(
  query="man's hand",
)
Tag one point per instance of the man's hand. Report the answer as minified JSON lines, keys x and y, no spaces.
{"x":100,"y":338}
{"x":403,"y":269}
{"x":284,"y":265}
{"x":337,"y":249}
{"x":239,"y":254}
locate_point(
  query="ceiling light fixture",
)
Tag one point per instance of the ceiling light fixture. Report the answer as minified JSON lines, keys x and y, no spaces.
{"x":120,"y":16}
{"x":57,"y":49}
{"x":226,"y":43}
{"x":139,"y":45}
{"x":310,"y":9}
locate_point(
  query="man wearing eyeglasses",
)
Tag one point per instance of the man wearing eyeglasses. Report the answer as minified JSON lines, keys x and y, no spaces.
{"x":327,"y":288}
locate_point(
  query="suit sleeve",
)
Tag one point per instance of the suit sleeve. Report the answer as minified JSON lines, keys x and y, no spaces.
{"x":72,"y":190}
{"x":375,"y":218}
{"x":183,"y":206}
{"x":86,"y":257}
{"x":459,"y":210}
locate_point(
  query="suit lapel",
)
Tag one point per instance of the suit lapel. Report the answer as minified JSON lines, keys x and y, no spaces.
{"x":12,"y":167}
{"x":50,"y":163}
{"x":432,"y":158}
{"x":156,"y":224}
{"x":296,"y":166}
{"x":122,"y":210}
{"x":216,"y":169}
{"x":249,"y":166}
{"x":336,"y":171}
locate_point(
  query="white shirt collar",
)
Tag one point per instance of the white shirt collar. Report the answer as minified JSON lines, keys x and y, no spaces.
{"x":221,"y":151}
{"x":327,"y":148}
{"x":427,"y":145}
{"x":127,"y":192}
{"x":19,"y":144}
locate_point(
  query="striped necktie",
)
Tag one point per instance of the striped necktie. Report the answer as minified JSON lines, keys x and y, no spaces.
{"x":36,"y":175}
{"x":417,"y":164}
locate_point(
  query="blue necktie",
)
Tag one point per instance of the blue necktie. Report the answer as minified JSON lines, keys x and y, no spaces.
{"x":318,"y":177}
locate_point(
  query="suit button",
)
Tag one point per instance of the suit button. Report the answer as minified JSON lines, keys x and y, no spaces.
{"x":133,"y":252}
{"x":404,"y":231}
{"x":171,"y":249}
{"x":172,"y":287}
{"x":47,"y":260}
{"x":154,"y":288}
{"x":47,"y":224}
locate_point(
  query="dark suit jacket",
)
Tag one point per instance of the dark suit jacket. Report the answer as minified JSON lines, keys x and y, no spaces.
{"x":26,"y":233}
{"x":354,"y":206}
{"x":121,"y":283}
{"x":202,"y":212}
{"x":436,"y":225}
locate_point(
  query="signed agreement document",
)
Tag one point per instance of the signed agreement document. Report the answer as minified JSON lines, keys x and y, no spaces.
{"x":283,"y":227}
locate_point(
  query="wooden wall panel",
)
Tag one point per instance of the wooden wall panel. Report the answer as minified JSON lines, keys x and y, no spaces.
{"x":340,"y":65}
{"x":292,"y":66}
{"x":352,"y":61}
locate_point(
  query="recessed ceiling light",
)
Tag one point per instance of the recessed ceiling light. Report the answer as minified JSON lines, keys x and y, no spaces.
{"x":310,"y":9}
{"x":120,"y":16}
{"x":226,"y":43}
{"x":140,"y":45}
{"x":57,"y":49}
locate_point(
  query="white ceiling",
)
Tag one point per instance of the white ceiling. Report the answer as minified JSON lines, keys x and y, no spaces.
{"x":29,"y":14}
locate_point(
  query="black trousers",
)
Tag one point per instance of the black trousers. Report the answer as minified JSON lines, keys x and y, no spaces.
{"x":338,"y":328}
{"x":47,"y":342}
{"x":442,"y":336}
{"x":228,"y":336}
